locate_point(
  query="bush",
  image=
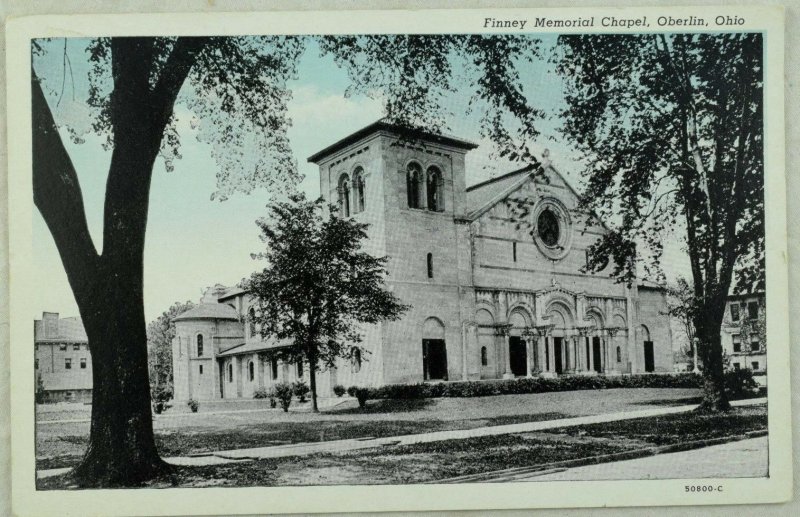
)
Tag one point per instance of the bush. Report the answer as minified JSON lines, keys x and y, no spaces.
{"x":273,"y":403}
{"x":193,"y":405}
{"x":529,"y":385}
{"x":160,"y":397}
{"x":300,"y":390}
{"x":352,"y":391}
{"x":260,"y":393}
{"x":338,"y":390}
{"x":283,"y":392}
{"x":740,"y":384}
{"x":362,"y":394}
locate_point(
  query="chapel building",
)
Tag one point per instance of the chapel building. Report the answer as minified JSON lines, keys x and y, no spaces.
{"x":492,"y":273}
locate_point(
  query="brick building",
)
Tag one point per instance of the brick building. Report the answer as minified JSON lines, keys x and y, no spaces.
{"x":491,"y":298}
{"x":741,"y":336}
{"x":62,"y":359}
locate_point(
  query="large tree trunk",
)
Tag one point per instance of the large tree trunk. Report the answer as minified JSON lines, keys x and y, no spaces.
{"x":122,"y":450}
{"x":708,"y":325}
{"x":312,"y":377}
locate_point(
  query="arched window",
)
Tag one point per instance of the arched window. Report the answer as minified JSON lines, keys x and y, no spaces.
{"x":199,"y":345}
{"x":252,"y":321}
{"x":299,"y":368}
{"x":252,"y":371}
{"x":358,"y":190}
{"x":230,"y":372}
{"x":274,"y":368}
{"x":619,"y":355}
{"x":435,"y":195}
{"x":413,"y":181}
{"x":484,"y":358}
{"x":344,"y":196}
{"x":514,"y":250}
{"x":430,"y":265}
{"x":356,"y":360}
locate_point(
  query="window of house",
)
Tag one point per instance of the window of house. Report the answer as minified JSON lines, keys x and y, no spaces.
{"x":344,"y":195}
{"x":356,"y":360}
{"x":76,"y":346}
{"x":754,"y":344}
{"x":752,"y":310}
{"x":199,"y":345}
{"x":755,"y":365}
{"x":299,"y":368}
{"x":413,"y":180}
{"x":430,"y":265}
{"x":737,"y":343}
{"x":736,"y":366}
{"x":251,"y":314}
{"x":230,"y":372}
{"x":68,"y":363}
{"x":62,"y":346}
{"x":201,"y":369}
{"x":252,"y":371}
{"x":435,"y":194}
{"x":734,"y":312}
{"x":83,"y":363}
{"x":514,"y":250}
{"x":484,"y":358}
{"x":358,"y":188}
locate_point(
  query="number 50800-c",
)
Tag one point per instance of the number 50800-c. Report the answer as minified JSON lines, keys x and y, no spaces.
{"x":703,"y":488}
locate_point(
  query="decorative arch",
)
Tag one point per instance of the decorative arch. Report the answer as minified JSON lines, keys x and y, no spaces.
{"x":560,"y":314}
{"x":595,"y":314}
{"x":519,"y":318}
{"x":433,"y":328}
{"x":484,"y":317}
{"x":644,"y":333}
{"x":619,"y":321}
{"x":343,"y":189}
{"x":359,"y":189}
{"x":435,"y":189}
{"x":525,"y":308}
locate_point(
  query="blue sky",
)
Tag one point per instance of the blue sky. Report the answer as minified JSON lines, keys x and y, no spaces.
{"x":193,"y":242}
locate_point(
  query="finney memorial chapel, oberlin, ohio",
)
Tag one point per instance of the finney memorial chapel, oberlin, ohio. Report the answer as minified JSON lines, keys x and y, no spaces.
{"x":489,"y":298}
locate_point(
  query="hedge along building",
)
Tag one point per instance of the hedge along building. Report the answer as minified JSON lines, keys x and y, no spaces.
{"x":492,"y":274}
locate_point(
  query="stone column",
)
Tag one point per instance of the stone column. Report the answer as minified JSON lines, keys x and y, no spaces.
{"x":528,"y":358}
{"x":507,"y":349}
{"x":551,"y":346}
{"x":590,"y":346}
{"x":541,"y":342}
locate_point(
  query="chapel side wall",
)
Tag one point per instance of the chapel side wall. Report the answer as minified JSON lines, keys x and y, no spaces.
{"x":652,"y":314}
{"x":188,"y":379}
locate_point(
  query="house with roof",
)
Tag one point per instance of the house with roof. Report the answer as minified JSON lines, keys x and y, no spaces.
{"x":492,"y":272}
{"x":61,"y":358}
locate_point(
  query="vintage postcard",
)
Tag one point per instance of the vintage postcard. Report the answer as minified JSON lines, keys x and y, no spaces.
{"x":393,"y":261}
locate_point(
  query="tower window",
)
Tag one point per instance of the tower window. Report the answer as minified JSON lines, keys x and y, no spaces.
{"x":252,"y":318}
{"x":435,"y":197}
{"x":413,"y":180}
{"x":252,"y":371}
{"x":199,"y":345}
{"x":358,"y":187}
{"x":344,"y":196}
{"x":548,"y":228}
{"x":430,"y":265}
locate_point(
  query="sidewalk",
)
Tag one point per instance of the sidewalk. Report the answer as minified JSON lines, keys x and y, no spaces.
{"x":304,"y":449}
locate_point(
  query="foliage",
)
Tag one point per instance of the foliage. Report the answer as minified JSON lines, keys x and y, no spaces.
{"x":193,"y":405}
{"x":339,"y":390}
{"x":755,"y":327}
{"x":740,"y":383}
{"x":361,"y":394}
{"x":528,"y":385}
{"x":300,"y":390}
{"x":40,"y":394}
{"x":260,"y":393}
{"x":681,"y":307}
{"x":283,"y":392}
{"x":160,"y":333}
{"x":670,"y":128}
{"x":161,"y":395}
{"x":319,"y":288}
{"x":352,"y":391}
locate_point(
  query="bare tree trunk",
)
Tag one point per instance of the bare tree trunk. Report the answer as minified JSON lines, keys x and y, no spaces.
{"x":708,"y":325}
{"x":312,"y":377}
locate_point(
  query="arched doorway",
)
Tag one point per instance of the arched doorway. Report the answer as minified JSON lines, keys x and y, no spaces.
{"x":517,"y":346}
{"x":558,"y":358}
{"x":649,"y":353}
{"x":486,"y":344}
{"x":434,"y":351}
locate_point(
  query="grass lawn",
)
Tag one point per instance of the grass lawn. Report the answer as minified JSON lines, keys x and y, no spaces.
{"x":440,"y":460}
{"x":180,"y":433}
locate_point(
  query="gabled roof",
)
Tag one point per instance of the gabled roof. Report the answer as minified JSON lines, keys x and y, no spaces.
{"x":484,"y":195}
{"x":382,"y":125}
{"x":209,"y":311}
{"x":69,"y":329}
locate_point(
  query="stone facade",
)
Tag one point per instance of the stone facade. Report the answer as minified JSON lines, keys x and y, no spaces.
{"x":744,"y":349}
{"x":492,"y":274}
{"x":61,"y":359}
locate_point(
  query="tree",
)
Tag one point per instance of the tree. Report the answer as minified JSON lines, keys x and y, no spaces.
{"x":160,"y":333}
{"x":319,"y":288}
{"x":681,"y":307}
{"x":237,"y":88}
{"x":670,"y":127}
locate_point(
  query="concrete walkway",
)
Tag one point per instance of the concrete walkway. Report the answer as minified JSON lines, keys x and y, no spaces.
{"x":743,"y":458}
{"x":304,"y":449}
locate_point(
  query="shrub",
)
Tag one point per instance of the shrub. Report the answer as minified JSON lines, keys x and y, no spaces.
{"x":352,"y":391}
{"x":338,"y":390}
{"x":193,"y":405}
{"x":273,"y":403}
{"x":283,"y":392}
{"x":160,"y":397}
{"x":300,"y":390}
{"x":740,"y":384}
{"x":528,"y":385}
{"x":362,"y":394}
{"x":260,"y":393}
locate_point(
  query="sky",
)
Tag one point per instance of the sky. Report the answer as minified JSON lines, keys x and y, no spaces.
{"x":194,"y":242}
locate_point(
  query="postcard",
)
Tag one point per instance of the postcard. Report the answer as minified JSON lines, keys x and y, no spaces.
{"x":305,"y":262}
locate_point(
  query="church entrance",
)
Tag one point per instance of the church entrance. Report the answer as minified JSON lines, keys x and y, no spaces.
{"x":557,"y":342}
{"x":597,"y":356}
{"x":649,"y":359}
{"x":518,"y":356}
{"x":434,"y":359}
